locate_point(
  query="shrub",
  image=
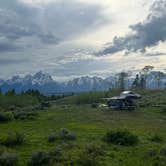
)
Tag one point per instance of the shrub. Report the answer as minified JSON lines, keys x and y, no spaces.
{"x":159,"y":161}
{"x":56,"y":155}
{"x":94,"y":105}
{"x":163,"y":151}
{"x":45,"y":104}
{"x":39,"y":158}
{"x":163,"y":109}
{"x":8,"y":159}
{"x":1,"y":151}
{"x":90,"y":155}
{"x":156,"y":138}
{"x":94,"y":150}
{"x":65,"y":134}
{"x":52,"y":138}
{"x":124,"y":138}
{"x":62,"y":134}
{"x":12,"y":108}
{"x":14,"y":139}
{"x":22,"y":115}
{"x":152,"y":153}
{"x":6,"y":116}
{"x":86,"y":160}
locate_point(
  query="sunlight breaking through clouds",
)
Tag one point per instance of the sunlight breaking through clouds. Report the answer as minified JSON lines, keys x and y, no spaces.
{"x":50,"y":35}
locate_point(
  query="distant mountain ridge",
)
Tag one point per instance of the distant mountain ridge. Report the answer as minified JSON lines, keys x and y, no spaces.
{"x":45,"y":83}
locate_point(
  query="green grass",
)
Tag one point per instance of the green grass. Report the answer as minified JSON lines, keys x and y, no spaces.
{"x":17,"y":100}
{"x":90,"y":125}
{"x":87,"y":98}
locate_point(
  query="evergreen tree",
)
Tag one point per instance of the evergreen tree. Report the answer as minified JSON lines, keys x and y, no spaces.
{"x":144,"y":74}
{"x":142,"y":82}
{"x":121,"y":80}
{"x":136,"y":83}
{"x":11,"y":93}
{"x":159,"y":77}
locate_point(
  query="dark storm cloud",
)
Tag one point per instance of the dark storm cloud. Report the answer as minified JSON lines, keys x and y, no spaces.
{"x":11,"y":61}
{"x":144,"y":34}
{"x":8,"y":46}
{"x":70,"y":18}
{"x":19,"y":20}
{"x":54,"y":22}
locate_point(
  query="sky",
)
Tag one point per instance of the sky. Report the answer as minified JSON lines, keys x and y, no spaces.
{"x":73,"y":38}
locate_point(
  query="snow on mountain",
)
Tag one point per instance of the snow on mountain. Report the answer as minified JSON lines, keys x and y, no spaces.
{"x":1,"y":82}
{"x":40,"y":81}
{"x":85,"y":84}
{"x":45,"y":84}
{"x":14,"y":80}
{"x":41,"y":78}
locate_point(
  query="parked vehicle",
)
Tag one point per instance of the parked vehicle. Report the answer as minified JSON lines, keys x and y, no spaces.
{"x":123,"y":102}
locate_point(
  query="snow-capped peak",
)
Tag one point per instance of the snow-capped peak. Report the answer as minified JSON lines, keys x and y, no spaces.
{"x":41,"y":78}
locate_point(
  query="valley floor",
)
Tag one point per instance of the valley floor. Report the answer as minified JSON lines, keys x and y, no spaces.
{"x":90,"y":125}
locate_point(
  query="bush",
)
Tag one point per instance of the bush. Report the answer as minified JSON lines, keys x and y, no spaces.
{"x":8,"y":159}
{"x":6,"y":116}
{"x":65,"y":134}
{"x":22,"y":115}
{"x":156,"y":138}
{"x":163,"y":151}
{"x":62,"y":134}
{"x":124,"y":138}
{"x":45,"y":104}
{"x":52,"y":138}
{"x":152,"y":153}
{"x":12,"y":108}
{"x":56,"y":155}
{"x":86,"y":160}
{"x":159,"y":161}
{"x":39,"y":159}
{"x":94,"y":105}
{"x":94,"y":150}
{"x":90,"y":155}
{"x":14,"y":139}
{"x":163,"y":109}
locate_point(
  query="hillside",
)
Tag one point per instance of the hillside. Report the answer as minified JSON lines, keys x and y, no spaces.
{"x":85,"y":127}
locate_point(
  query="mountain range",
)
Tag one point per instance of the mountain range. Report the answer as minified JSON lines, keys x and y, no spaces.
{"x":47,"y":85}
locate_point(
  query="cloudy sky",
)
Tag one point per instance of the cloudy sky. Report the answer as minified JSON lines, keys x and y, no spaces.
{"x":70,"y":38}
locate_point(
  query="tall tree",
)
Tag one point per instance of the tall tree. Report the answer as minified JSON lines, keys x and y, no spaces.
{"x":136,"y":82}
{"x":11,"y":93}
{"x":159,"y":77}
{"x":122,"y":76}
{"x":144,"y":74}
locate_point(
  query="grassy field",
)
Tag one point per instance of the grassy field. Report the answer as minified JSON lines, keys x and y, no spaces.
{"x":90,"y":125}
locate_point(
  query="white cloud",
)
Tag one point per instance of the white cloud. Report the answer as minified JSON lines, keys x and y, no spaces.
{"x":81,"y":27}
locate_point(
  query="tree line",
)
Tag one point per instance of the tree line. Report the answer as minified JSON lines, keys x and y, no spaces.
{"x":140,"y":81}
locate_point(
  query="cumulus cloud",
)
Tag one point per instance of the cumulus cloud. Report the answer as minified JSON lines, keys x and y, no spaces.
{"x":49,"y":23}
{"x":143,"y":34}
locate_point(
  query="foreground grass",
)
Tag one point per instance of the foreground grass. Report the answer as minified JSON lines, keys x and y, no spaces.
{"x":90,"y":125}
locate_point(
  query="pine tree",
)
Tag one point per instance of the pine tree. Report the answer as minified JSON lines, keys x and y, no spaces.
{"x":121,"y":80}
{"x":136,"y":83}
{"x":144,"y":74}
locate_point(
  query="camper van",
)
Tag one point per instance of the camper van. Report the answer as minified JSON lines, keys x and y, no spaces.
{"x":123,"y":102}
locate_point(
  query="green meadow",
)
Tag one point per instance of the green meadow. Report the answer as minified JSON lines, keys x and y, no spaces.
{"x":89,"y":126}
